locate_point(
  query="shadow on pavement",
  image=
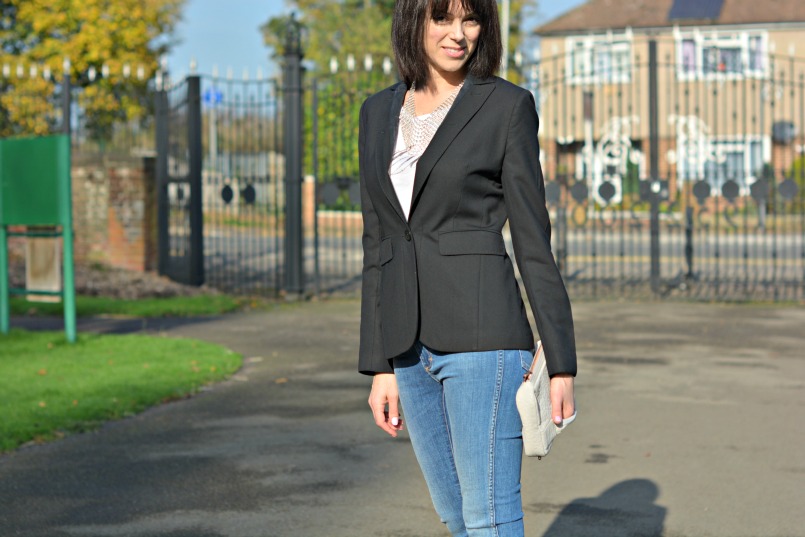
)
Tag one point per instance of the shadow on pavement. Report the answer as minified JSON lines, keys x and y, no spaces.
{"x":626,"y":508}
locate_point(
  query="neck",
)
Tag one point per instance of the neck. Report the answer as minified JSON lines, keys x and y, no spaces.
{"x":443,"y":82}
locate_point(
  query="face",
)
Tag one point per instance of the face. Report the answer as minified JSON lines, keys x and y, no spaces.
{"x":450,"y":40}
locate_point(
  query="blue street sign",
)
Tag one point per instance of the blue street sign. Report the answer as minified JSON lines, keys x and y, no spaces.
{"x":212,"y":96}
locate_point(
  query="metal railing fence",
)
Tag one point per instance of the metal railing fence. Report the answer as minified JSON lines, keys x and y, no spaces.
{"x":107,"y":114}
{"x":667,"y":182}
{"x":660,"y":182}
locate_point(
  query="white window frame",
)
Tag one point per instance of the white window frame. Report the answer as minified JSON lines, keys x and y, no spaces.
{"x":721,"y":39}
{"x":585,"y":49}
{"x":710,"y":146}
{"x":743,"y":144}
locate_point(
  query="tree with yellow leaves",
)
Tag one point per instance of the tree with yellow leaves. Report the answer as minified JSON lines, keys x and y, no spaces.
{"x":110,"y":48}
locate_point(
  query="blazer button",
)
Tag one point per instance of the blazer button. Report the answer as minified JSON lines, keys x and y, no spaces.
{"x":407,"y":235}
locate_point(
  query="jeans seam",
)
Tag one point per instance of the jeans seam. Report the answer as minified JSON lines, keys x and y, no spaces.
{"x":449,"y":435}
{"x":492,"y":437}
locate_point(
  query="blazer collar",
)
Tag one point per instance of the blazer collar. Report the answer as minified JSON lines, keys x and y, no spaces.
{"x":468,"y":101}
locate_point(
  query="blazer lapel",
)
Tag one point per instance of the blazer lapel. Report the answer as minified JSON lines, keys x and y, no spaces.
{"x":469,"y":100}
{"x":387,"y":140}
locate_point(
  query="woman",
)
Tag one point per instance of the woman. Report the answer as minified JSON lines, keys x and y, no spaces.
{"x":447,"y":156}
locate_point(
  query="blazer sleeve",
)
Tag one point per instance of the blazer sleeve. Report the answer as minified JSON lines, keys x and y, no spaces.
{"x":524,"y":194}
{"x":370,"y":360}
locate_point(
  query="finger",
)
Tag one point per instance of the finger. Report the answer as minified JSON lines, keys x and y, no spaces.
{"x":557,"y":402}
{"x":381,"y":416}
{"x":378,"y":411}
{"x":394,"y":414}
{"x":569,"y":402}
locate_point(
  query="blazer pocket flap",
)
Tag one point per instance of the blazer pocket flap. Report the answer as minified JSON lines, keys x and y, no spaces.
{"x":386,"y":251}
{"x":471,"y":242}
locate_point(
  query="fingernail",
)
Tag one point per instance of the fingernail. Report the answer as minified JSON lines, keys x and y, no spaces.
{"x":395,"y":421}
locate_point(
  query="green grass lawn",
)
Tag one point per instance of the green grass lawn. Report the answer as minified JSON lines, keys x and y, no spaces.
{"x":49,"y":387}
{"x":182,"y":306}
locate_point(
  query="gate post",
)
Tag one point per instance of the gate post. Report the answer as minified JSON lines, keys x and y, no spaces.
{"x":163,"y":237}
{"x":194,"y":149}
{"x":654,"y":166}
{"x":293,"y":140}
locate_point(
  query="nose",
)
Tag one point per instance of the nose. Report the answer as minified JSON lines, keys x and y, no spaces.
{"x":457,"y":30}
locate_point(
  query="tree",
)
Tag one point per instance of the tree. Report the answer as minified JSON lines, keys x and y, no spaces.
{"x":344,"y":30}
{"x":121,"y":41}
{"x":336,"y":28}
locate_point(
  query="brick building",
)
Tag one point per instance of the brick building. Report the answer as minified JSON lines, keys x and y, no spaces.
{"x":729,"y":96}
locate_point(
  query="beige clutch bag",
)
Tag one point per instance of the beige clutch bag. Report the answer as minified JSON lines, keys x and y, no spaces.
{"x":534,"y":405}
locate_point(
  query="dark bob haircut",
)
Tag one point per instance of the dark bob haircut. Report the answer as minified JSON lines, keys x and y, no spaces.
{"x":408,"y":37}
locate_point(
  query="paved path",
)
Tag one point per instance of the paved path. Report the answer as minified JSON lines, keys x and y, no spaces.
{"x":690,"y":425}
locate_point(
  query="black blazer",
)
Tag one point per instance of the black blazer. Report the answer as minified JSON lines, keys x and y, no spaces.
{"x":443,"y":277}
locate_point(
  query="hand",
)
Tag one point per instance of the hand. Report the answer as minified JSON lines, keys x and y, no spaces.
{"x":563,"y":405}
{"x":384,"y":392}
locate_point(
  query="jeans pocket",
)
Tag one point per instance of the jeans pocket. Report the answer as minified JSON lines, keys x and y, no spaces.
{"x":425,"y":356}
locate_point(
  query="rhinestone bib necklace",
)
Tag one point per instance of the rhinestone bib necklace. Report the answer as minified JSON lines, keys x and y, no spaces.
{"x":419,"y":131}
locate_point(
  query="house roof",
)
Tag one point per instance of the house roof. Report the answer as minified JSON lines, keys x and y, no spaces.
{"x":620,"y":14}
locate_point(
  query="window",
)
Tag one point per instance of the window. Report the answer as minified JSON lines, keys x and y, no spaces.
{"x":756,"y":53}
{"x":722,"y":54}
{"x":580,"y":60}
{"x":600,"y":59}
{"x":718,"y":160}
{"x":689,"y":63}
{"x":735,"y":160}
{"x":722,"y":60}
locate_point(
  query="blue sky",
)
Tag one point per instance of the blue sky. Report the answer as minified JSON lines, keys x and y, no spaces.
{"x":226,"y":33}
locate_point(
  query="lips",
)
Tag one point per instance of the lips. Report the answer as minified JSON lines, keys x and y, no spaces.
{"x":454,"y":52}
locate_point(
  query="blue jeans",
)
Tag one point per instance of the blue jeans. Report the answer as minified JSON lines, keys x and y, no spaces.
{"x":461,"y":416}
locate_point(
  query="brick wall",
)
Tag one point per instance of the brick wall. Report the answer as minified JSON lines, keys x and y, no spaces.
{"x":90,"y":199}
{"x":114,"y":213}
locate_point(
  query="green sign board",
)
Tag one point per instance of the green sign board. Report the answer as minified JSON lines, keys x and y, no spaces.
{"x":35,"y":191}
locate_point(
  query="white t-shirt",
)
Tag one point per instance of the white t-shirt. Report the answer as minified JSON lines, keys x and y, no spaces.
{"x":403,"y":176}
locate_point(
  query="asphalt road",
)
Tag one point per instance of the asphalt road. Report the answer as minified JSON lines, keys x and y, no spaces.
{"x":690,"y":425}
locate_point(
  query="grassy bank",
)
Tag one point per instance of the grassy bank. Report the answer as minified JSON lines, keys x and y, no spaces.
{"x":50,"y":388}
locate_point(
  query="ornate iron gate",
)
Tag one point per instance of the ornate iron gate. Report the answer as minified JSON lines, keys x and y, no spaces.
{"x":220,"y":173}
{"x":668,"y":180}
{"x":180,"y":222}
{"x":661,"y":179}
{"x":334,"y":104}
{"x":243,"y":183}
{"x":244,"y":141}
